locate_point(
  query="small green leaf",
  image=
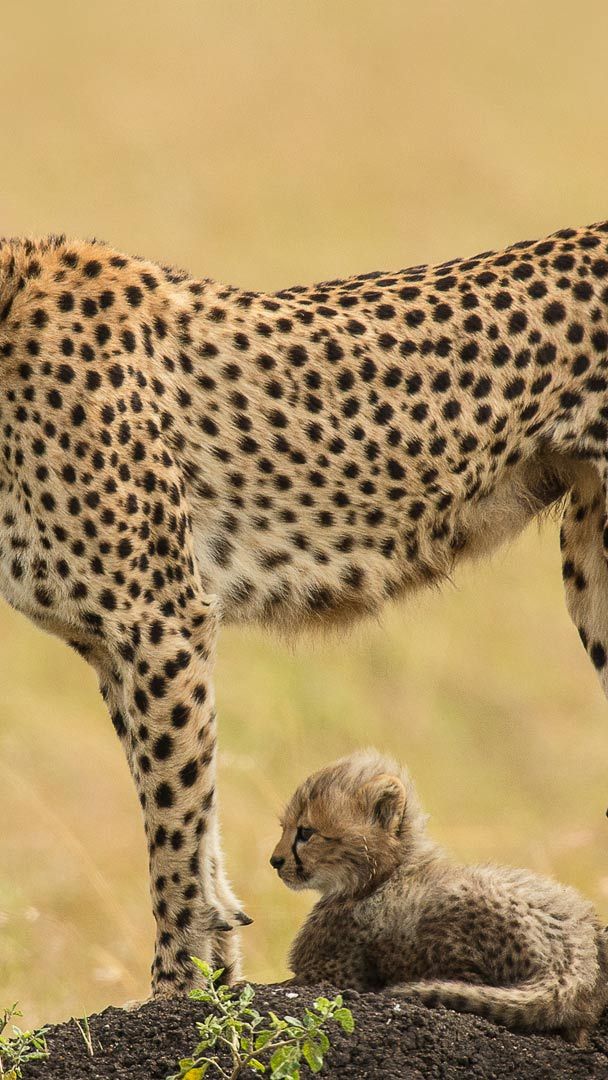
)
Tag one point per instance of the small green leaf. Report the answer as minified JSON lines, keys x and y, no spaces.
{"x":196,"y":1073}
{"x":312,"y":1055}
{"x":279,"y":1057}
{"x":345,"y":1020}
{"x":257,"y":1065}
{"x":324,"y":1041}
{"x":246,"y":995}
{"x":283,"y":1062}
{"x":293,"y":1021}
{"x":209,"y":1040}
{"x":202,"y":966}
{"x":262,"y":1039}
{"x":322,"y":1005}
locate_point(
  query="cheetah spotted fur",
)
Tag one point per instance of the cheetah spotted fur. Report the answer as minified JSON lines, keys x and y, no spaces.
{"x":177,"y":454}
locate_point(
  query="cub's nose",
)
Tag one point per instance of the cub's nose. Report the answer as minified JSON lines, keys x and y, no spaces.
{"x":276,"y":861}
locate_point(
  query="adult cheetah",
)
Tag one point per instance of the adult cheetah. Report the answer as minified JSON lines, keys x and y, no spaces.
{"x":178,"y":453}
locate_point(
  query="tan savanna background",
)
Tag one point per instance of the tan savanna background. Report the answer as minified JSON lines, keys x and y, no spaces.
{"x":268,"y":142}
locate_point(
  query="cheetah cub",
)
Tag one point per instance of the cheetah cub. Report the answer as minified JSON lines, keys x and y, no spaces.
{"x":395,"y":911}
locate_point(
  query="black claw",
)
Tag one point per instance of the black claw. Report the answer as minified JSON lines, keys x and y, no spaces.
{"x":217,"y":921}
{"x":243,"y":919}
{"x":223,"y":926}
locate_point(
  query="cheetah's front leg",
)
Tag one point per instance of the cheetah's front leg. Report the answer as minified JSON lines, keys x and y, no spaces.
{"x":161,"y":696}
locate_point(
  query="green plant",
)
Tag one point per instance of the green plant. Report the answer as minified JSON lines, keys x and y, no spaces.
{"x":85,"y":1030}
{"x":19,"y":1047}
{"x":268,"y":1045}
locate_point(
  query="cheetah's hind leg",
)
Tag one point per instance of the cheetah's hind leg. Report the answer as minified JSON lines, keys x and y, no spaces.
{"x":584,"y":544}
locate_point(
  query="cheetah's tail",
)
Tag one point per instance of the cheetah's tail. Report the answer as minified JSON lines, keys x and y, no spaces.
{"x":572,"y":1006}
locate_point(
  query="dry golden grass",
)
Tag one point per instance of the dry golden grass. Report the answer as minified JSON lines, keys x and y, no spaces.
{"x":265,"y":143}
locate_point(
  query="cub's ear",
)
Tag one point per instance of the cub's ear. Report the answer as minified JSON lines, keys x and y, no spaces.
{"x":385,"y":798}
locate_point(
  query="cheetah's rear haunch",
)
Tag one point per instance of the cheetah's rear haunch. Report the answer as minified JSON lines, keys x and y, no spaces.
{"x":396,"y":912}
{"x":176,"y":453}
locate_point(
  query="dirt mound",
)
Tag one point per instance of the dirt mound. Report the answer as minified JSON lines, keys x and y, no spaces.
{"x":393,"y":1041}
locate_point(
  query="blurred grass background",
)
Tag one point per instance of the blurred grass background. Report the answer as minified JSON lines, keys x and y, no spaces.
{"x":266,"y":143}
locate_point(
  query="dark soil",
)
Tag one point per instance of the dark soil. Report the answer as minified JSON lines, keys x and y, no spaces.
{"x":393,"y":1041}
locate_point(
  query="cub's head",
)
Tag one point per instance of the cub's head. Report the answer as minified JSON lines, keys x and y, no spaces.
{"x":348,"y":827}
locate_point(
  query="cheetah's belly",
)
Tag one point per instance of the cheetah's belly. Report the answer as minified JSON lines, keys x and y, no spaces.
{"x":294,"y":577}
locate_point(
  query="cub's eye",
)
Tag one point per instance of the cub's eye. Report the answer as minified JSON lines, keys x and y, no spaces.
{"x":303,"y":834}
